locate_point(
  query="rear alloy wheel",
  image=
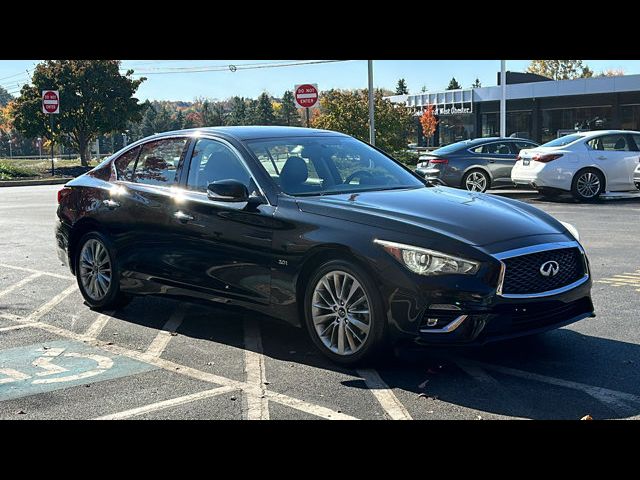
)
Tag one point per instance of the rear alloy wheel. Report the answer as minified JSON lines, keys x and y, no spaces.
{"x":476,"y":181}
{"x":96,"y":273}
{"x":343,"y":313}
{"x":587,"y":185}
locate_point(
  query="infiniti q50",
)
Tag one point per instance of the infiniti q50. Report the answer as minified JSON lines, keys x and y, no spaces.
{"x":323,"y":231}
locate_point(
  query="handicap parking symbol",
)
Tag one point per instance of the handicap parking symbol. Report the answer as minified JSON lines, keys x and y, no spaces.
{"x":61,"y":364}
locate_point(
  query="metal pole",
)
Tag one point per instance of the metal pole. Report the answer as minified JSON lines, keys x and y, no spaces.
{"x":307,"y":115}
{"x":10,"y":149}
{"x":372,"y":124}
{"x":503,"y":99}
{"x":53,"y":171}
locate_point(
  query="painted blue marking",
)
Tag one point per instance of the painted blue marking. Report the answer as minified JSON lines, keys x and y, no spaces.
{"x":49,"y":366}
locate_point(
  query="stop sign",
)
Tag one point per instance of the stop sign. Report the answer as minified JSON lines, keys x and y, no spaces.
{"x":50,"y":101}
{"x":306,"y":95}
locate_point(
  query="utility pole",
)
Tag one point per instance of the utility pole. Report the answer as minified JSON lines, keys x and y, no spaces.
{"x":372,"y":125}
{"x":10,"y":149}
{"x":503,"y":99}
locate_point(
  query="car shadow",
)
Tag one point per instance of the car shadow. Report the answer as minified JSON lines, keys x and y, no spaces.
{"x":562,"y":374}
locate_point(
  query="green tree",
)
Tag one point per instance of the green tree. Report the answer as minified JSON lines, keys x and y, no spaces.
{"x":453,"y":84}
{"x":148,"y":124}
{"x":348,"y":112}
{"x":5,"y":97}
{"x":178,"y":121}
{"x":238,"y":111}
{"x":560,"y":69}
{"x":263,"y":114}
{"x":289,"y":112}
{"x":401,"y":87}
{"x":95,"y":99}
{"x":476,"y":84}
{"x":424,"y":89}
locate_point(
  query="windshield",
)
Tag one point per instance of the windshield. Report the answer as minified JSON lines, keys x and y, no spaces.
{"x":562,"y":141}
{"x":451,"y":148}
{"x":329,"y":165}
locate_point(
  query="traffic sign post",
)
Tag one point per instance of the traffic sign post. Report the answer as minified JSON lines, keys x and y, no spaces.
{"x":51,"y":106}
{"x":306,"y":96}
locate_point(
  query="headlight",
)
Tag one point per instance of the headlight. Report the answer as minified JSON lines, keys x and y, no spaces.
{"x":428,"y":262}
{"x":572,"y":230}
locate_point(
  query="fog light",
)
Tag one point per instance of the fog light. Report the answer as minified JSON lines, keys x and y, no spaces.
{"x":432,"y":322}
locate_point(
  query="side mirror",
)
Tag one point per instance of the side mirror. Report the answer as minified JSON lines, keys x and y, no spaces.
{"x":227,"y":191}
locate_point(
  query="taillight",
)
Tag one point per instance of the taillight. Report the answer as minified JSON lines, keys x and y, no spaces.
{"x":546,"y":158}
{"x":62,"y":194}
{"x":438,"y":160}
{"x":518,"y":157}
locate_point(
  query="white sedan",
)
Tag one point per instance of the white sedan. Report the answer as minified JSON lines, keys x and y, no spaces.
{"x":585,"y":164}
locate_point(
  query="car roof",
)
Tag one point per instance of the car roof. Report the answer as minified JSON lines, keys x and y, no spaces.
{"x":252,"y":132}
{"x":592,"y":133}
{"x":483,"y":140}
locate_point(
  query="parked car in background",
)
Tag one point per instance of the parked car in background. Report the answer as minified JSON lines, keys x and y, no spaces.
{"x":585,"y":164}
{"x":636,"y":176}
{"x":475,"y":165}
{"x":323,"y":231}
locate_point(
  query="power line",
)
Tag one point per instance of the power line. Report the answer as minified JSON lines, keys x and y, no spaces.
{"x":232,"y":68}
{"x":17,"y":75}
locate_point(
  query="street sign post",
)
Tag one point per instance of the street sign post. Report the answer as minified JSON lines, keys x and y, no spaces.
{"x":51,"y":106}
{"x":306,"y":96}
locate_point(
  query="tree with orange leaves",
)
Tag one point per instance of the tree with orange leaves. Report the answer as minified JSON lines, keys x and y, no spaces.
{"x":429,"y":121}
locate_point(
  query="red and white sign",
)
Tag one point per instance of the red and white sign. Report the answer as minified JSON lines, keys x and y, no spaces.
{"x":306,"y":95}
{"x":50,"y":101}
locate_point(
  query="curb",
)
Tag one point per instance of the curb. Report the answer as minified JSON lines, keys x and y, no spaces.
{"x":514,"y":193}
{"x":28,"y":183}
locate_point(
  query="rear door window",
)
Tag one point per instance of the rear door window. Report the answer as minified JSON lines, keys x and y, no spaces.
{"x":126,"y":163}
{"x":158,"y":161}
{"x":611,"y":143}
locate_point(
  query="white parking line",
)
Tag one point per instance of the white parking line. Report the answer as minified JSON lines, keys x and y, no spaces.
{"x":19,"y":284}
{"x":164,"y":336}
{"x":31,"y":270}
{"x":47,"y":307}
{"x":16,"y":327}
{"x":385,"y":396}
{"x":174,"y":402}
{"x":98,"y":325}
{"x":612,"y":398}
{"x":257,"y":406}
{"x":249,"y":389}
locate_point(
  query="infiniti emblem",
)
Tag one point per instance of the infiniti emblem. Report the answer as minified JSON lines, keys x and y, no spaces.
{"x":549,"y":269}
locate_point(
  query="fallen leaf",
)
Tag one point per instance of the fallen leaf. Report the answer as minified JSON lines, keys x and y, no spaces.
{"x":587,"y":417}
{"x":109,"y":343}
{"x":209,"y":363}
{"x":267,"y":383}
{"x":21,"y":412}
{"x":115,"y":333}
{"x":233,"y":399}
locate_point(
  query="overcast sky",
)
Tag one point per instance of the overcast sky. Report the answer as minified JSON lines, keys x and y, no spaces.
{"x":434,"y":74}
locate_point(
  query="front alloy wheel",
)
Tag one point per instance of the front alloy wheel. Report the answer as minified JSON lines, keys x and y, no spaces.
{"x":344,"y":313}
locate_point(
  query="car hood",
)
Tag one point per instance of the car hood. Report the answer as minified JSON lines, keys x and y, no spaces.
{"x":475,"y":218}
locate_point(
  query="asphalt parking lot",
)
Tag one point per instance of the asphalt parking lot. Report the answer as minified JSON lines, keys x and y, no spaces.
{"x":162,"y":359}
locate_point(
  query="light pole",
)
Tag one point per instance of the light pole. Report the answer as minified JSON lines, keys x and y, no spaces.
{"x":40,"y":147}
{"x":124,"y":138}
{"x":372,"y":125}
{"x":10,"y":149}
{"x":503,"y":99}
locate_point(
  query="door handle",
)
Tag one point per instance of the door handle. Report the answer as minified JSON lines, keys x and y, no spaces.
{"x":492,"y":161}
{"x":110,"y":204}
{"x":602,"y":157}
{"x":183,"y":217}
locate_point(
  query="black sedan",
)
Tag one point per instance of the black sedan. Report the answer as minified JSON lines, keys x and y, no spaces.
{"x":475,"y":165}
{"x":323,"y":231}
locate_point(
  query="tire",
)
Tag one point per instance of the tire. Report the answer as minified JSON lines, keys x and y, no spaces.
{"x":587,"y":185}
{"x":104,"y":291}
{"x":476,"y":180}
{"x":362,"y":335}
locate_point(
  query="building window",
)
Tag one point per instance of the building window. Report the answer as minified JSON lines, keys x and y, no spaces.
{"x":454,"y":128}
{"x":559,"y":121}
{"x":630,"y":117}
{"x":490,"y":125}
{"x":518,"y":124}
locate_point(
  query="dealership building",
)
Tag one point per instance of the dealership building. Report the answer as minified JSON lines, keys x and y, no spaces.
{"x":537,"y":108}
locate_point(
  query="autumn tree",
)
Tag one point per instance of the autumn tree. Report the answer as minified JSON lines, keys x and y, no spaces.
{"x":95,"y":99}
{"x":401,"y":87}
{"x":611,"y":72}
{"x":560,"y":69}
{"x":453,"y":84}
{"x":428,"y":121}
{"x":347,"y":111}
